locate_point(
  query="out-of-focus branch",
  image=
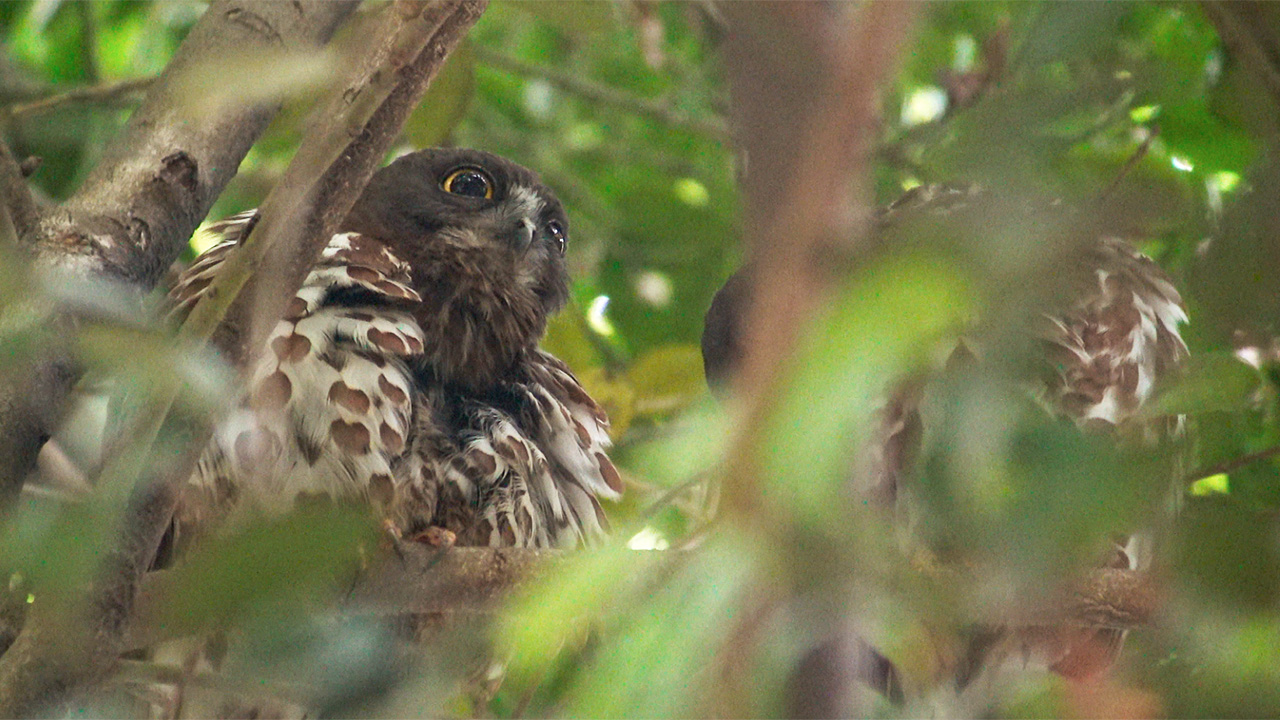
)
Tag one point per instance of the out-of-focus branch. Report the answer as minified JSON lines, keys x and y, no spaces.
{"x":31,"y":397}
{"x":419,"y":580}
{"x":151,"y":674}
{"x":347,"y":141}
{"x":1227,"y":466}
{"x":92,"y":94}
{"x":804,"y":81}
{"x":471,"y":580}
{"x":808,"y":125}
{"x":605,"y":95}
{"x":1249,"y":31}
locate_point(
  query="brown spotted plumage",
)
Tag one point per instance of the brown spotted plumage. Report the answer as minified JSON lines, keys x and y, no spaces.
{"x":1104,"y":351}
{"x":406,"y":371}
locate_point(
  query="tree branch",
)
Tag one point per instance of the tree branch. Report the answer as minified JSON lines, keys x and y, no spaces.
{"x":420,"y":580}
{"x":1248,"y":30}
{"x":605,"y":95}
{"x":476,"y":580}
{"x":348,"y":139}
{"x":808,"y":125}
{"x":1233,"y":464}
{"x":105,"y":93}
{"x":135,"y":211}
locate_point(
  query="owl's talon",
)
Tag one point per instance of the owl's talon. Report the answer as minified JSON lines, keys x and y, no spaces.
{"x":436,"y":537}
{"x":394,"y":539}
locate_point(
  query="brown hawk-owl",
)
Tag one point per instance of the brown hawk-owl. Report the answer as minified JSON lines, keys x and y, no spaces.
{"x":1103,"y":349}
{"x":407,"y":373}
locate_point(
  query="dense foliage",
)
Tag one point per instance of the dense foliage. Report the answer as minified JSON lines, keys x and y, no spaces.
{"x":1137,"y":109}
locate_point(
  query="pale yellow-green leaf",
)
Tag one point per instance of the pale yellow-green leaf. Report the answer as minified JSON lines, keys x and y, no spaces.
{"x":667,"y":378}
{"x":567,"y":339}
{"x":1219,"y":484}
{"x":446,"y":101}
{"x":691,"y":443}
{"x":559,"y":607}
{"x":654,"y":662}
{"x":616,"y":397}
{"x":257,"y":78}
{"x":883,"y":324}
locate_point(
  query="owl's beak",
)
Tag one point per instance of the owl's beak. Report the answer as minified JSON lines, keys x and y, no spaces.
{"x":522,"y":238}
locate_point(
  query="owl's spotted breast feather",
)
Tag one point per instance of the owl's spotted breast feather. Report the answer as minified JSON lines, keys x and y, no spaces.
{"x":347,"y":402}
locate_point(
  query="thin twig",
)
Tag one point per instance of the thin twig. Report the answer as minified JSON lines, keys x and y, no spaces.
{"x":1227,"y":466}
{"x":605,"y":95}
{"x":138,"y":672}
{"x":1132,"y":162}
{"x":88,"y":41}
{"x":105,"y":93}
{"x":670,"y":496}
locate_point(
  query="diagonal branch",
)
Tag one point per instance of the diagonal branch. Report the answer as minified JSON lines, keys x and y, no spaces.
{"x":348,"y":139}
{"x":113,"y":92}
{"x":605,"y":95}
{"x":134,"y":212}
{"x":1248,"y":31}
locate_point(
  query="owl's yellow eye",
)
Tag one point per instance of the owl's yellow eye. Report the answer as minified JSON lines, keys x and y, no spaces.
{"x":469,"y":182}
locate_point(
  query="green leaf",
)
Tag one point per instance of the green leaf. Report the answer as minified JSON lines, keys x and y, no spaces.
{"x":654,"y":662}
{"x":667,"y":378}
{"x":282,"y":563}
{"x":1209,"y":382}
{"x":567,"y":339}
{"x":559,"y":608}
{"x":570,"y":17}
{"x":882,"y":326}
{"x":446,"y":101}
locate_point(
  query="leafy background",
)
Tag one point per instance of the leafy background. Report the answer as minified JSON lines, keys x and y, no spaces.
{"x":624,"y":110}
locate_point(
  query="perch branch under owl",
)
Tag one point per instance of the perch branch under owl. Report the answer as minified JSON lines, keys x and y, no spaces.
{"x":474,"y":579}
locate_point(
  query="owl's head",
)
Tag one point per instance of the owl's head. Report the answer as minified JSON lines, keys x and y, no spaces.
{"x":449,"y":206}
{"x":485,"y":244}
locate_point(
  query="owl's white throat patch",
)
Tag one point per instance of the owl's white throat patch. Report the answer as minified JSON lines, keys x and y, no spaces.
{"x":524,"y":202}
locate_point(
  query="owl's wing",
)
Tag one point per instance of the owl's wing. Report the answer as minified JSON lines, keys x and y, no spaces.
{"x":329,"y":405}
{"x":1121,"y":335}
{"x":194,"y":282}
{"x":524,"y":468}
{"x":569,"y":433}
{"x":1105,"y":353}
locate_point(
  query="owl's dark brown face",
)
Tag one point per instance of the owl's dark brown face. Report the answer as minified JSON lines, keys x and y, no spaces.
{"x":486,"y":242}
{"x":470,"y":201}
